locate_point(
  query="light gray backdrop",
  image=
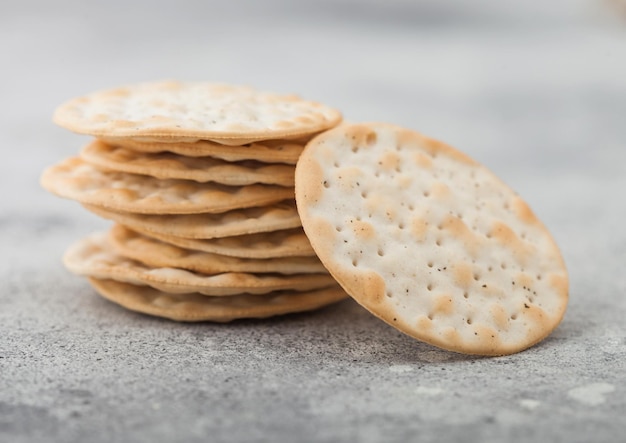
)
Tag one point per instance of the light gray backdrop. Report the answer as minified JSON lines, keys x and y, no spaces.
{"x":535,"y":90}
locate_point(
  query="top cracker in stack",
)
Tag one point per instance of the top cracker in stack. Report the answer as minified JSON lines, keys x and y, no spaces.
{"x":165,"y":112}
{"x":199,"y":178}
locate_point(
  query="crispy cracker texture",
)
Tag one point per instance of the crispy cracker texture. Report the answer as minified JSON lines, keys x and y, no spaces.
{"x":430,"y":241}
{"x":191,"y":111}
{"x":266,"y":245}
{"x":158,"y":254}
{"x":95,"y":257}
{"x":201,"y":169}
{"x":270,"y":151}
{"x":237,"y":222}
{"x":75,"y":179}
{"x":196,"y":307}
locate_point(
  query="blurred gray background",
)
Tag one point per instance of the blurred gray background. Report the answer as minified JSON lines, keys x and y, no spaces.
{"x":535,"y":90}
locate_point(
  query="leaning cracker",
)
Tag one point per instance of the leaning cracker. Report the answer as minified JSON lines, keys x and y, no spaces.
{"x":157,"y":254}
{"x":429,"y":240}
{"x":285,"y":243}
{"x":204,"y":226}
{"x":229,"y":114}
{"x":200,"y":169}
{"x":270,"y":151}
{"x":119,"y":191}
{"x":197,"y":307}
{"x":94,"y":257}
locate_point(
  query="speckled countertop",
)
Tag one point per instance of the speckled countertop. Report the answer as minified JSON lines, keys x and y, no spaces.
{"x":537,"y":94}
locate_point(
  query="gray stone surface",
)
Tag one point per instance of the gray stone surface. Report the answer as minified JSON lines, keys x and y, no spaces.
{"x":537,"y":93}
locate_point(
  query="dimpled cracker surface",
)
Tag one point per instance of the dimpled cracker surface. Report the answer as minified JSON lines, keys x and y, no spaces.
{"x":285,"y":243}
{"x":200,"y":169}
{"x":158,"y":254}
{"x":227,"y":113}
{"x":75,"y":179}
{"x":271,"y":151}
{"x":197,"y":307}
{"x":236,"y":222}
{"x":94,"y":257}
{"x":429,"y":240}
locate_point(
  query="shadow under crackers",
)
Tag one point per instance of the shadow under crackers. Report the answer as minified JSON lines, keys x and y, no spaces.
{"x":347,"y":332}
{"x":342,"y":332}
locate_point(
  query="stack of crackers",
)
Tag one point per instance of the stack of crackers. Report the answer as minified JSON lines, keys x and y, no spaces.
{"x":199,"y":180}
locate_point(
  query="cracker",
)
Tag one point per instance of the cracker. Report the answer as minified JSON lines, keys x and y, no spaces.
{"x":158,"y":254}
{"x":229,"y":114}
{"x":94,"y":257}
{"x":197,"y":307}
{"x":271,"y":151}
{"x":285,"y":243}
{"x":204,"y":226}
{"x":200,"y":169}
{"x":429,"y":240}
{"x":120,"y":191}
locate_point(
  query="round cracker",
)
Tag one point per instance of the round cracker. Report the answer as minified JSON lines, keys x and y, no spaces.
{"x":228,"y":114}
{"x":275,"y":244}
{"x":205,"y":226}
{"x":94,"y":257}
{"x":197,"y":307}
{"x":429,"y":240}
{"x":270,"y":151}
{"x":75,"y":179}
{"x":158,"y":254}
{"x":201,"y":169}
